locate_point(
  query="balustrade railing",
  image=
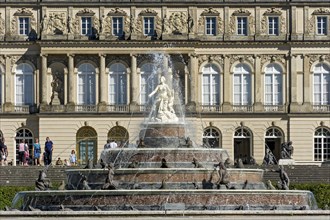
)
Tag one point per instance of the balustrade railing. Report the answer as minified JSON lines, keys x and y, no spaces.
{"x":274,"y":108}
{"x":25,"y":109}
{"x":242,"y":108}
{"x":321,"y":108}
{"x":211,"y":108}
{"x":86,"y":108}
{"x":118,"y":108}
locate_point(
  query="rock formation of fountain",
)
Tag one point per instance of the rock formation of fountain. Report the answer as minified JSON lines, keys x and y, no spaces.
{"x":165,"y":170}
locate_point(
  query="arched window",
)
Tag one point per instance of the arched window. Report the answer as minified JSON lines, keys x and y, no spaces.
{"x":273,"y":85}
{"x":117,"y":84}
{"x":86,"y":84}
{"x":27,"y":136}
{"x":243,"y":145}
{"x":24,"y":84}
{"x":273,"y":139}
{"x":242,"y":85}
{"x":322,"y":144}
{"x":211,"y":85}
{"x":120,"y":135}
{"x":212,"y":137}
{"x":149,"y":81}
{"x":86,"y":145}
{"x":321,"y":84}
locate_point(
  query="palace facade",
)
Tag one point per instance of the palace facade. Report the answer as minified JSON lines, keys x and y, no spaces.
{"x":253,"y":74}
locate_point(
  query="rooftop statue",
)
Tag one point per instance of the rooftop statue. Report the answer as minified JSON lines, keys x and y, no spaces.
{"x":163,"y":107}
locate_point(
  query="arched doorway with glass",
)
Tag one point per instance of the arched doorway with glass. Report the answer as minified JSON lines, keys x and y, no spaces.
{"x":273,"y":139}
{"x":86,"y":145}
{"x":322,"y":144}
{"x":27,"y":137}
{"x":119,"y":134}
{"x":243,"y":145}
{"x":212,"y":137}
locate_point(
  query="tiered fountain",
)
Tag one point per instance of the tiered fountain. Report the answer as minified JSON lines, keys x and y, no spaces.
{"x":165,"y":171}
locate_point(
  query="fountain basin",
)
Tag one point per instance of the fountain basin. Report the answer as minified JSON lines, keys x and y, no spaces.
{"x":145,"y":177}
{"x":175,"y":157}
{"x":155,"y":199}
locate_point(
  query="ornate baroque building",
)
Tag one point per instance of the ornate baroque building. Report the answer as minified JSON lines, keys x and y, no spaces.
{"x":252,"y":73}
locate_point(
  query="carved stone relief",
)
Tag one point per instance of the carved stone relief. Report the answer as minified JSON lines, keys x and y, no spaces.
{"x":31,"y":58}
{"x":210,"y":12}
{"x":273,"y":12}
{"x":178,"y":22}
{"x":2,"y":25}
{"x":273,"y":58}
{"x":210,"y":58}
{"x":138,"y":26}
{"x":75,"y":23}
{"x":124,"y":59}
{"x":56,"y":24}
{"x":320,"y":58}
{"x":144,"y":58}
{"x":57,"y":59}
{"x":79,"y":58}
{"x":2,"y":60}
{"x":19,"y":13}
{"x":232,"y":22}
{"x":241,"y":58}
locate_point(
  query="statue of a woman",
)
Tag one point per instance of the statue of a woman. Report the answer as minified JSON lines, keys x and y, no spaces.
{"x":164,"y":102}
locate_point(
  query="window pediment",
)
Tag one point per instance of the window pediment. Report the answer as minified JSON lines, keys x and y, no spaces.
{"x":241,"y":12}
{"x":272,"y":12}
{"x":23,"y":12}
{"x":86,"y":12}
{"x":117,"y":12}
{"x":321,"y":11}
{"x":210,"y":12}
{"x":148,"y":12}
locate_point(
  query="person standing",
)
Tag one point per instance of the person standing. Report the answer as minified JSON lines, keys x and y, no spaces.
{"x":21,"y":151}
{"x":107,"y":145}
{"x":5,"y":150}
{"x":73,"y":158}
{"x":48,"y":151}
{"x":113,"y":144}
{"x":37,"y":152}
{"x":2,"y":151}
{"x":26,"y":154}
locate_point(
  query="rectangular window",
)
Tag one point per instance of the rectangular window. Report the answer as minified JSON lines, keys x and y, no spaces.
{"x":86,"y":26}
{"x":148,"y":26}
{"x":242,"y":26}
{"x":210,"y":26}
{"x":273,"y":25}
{"x":117,"y":26}
{"x":322,"y":25}
{"x":24,"y":26}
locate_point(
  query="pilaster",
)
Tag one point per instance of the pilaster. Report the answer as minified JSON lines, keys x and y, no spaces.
{"x":227,"y":106}
{"x":71,"y":98}
{"x":258,"y":106}
{"x":193,"y":69}
{"x":134,"y":84}
{"x":44,"y":79}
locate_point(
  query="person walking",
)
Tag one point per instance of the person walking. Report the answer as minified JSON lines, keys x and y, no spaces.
{"x":49,"y":146}
{"x":36,"y":152}
{"x":21,"y":151}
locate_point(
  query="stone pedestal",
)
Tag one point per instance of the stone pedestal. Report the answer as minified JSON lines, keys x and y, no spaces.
{"x":56,"y":100}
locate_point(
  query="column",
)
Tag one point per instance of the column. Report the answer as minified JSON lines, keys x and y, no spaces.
{"x":193,"y":69}
{"x":258,"y":106}
{"x":103,"y":81}
{"x":294,"y":107}
{"x":227,"y":107}
{"x":9,"y":84}
{"x":307,"y":84}
{"x":44,"y":79}
{"x":72,"y":89}
{"x":134,"y":94}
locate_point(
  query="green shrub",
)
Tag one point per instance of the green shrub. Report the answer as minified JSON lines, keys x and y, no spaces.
{"x":7,"y":194}
{"x":321,"y":192}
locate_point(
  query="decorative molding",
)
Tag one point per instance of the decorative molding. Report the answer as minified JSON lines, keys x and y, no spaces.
{"x":2,"y":25}
{"x":232,"y":22}
{"x":148,"y":11}
{"x":93,"y":58}
{"x":56,"y":24}
{"x":241,"y":12}
{"x":85,"y":12}
{"x":118,"y":58}
{"x":264,"y":21}
{"x":138,"y":26}
{"x":22,"y":12}
{"x":2,"y":60}
{"x":144,"y":58}
{"x":320,"y":58}
{"x":211,"y":58}
{"x":31,"y":58}
{"x":321,"y":11}
{"x":57,"y":59}
{"x":280,"y":58}
{"x":117,"y":12}
{"x":210,"y":12}
{"x":273,"y":11}
{"x":311,"y":22}
{"x":241,"y":58}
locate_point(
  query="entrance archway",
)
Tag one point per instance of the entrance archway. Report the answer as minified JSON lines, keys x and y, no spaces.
{"x":242,"y":145}
{"x":27,"y":136}
{"x":120,"y":135}
{"x":273,"y":139}
{"x":86,"y":145}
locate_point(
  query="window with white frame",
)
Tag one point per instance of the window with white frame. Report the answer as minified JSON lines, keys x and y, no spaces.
{"x":86,"y":26}
{"x":24,"y":84}
{"x":273,"y":85}
{"x":86,"y":84}
{"x":322,"y":144}
{"x":210,"y":85}
{"x":321,"y":84}
{"x":148,"y":81}
{"x":117,"y":26}
{"x":210,"y":26}
{"x":242,"y":85}
{"x":273,"y":26}
{"x":24,"y":25}
{"x":212,"y":137}
{"x":242,"y":25}
{"x":117,"y":84}
{"x":149,"y":26}
{"x":322,"y":25}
